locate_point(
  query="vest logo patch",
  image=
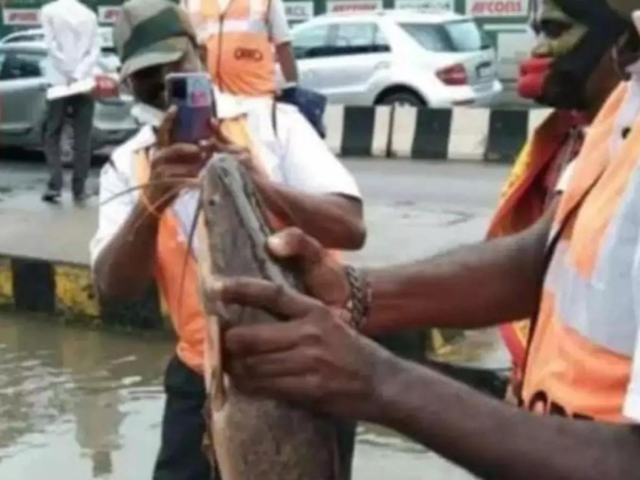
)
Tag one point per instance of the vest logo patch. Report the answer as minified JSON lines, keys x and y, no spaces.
{"x":250,"y":54}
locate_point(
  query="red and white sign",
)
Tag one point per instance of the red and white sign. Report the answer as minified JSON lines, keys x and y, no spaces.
{"x":498,"y":8}
{"x":21,"y":16}
{"x":108,"y":14}
{"x":298,"y":11}
{"x":338,"y":6}
{"x":424,"y":4}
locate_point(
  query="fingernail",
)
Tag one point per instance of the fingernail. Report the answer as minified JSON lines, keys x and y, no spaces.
{"x":276,"y":244}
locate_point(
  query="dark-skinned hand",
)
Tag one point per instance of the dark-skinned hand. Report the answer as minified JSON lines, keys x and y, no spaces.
{"x":323,"y":275}
{"x":174,"y":164}
{"x":312,"y":359}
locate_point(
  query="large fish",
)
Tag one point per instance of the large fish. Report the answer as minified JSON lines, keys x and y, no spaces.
{"x":253,"y":438}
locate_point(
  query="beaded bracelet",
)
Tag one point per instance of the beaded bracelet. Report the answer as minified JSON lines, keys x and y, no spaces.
{"x":359,"y":301}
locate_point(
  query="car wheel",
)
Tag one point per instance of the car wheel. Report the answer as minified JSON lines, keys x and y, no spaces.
{"x":403,"y":99}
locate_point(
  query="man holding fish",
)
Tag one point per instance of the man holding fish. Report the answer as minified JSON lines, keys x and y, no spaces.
{"x":149,"y":205}
{"x":576,"y":272}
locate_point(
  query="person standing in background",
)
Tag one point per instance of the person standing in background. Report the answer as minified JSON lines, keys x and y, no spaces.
{"x":243,"y":40}
{"x":73,"y":44}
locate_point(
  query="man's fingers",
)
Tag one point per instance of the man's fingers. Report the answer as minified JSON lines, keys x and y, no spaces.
{"x":181,"y":154}
{"x":273,"y":364}
{"x":294,"y":243}
{"x":260,"y":294}
{"x":166,"y":127}
{"x":250,"y":343}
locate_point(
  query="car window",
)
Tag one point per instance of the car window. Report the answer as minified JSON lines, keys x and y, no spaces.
{"x":26,"y":37}
{"x":430,"y":37}
{"x":311,"y":42}
{"x":21,"y":66}
{"x":359,"y":38}
{"x":467,"y":36}
{"x":458,"y":36}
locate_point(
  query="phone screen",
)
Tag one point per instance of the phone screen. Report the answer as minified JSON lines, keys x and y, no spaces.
{"x":192,"y":94}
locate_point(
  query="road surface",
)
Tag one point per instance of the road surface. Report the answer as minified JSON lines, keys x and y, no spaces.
{"x":82,"y":404}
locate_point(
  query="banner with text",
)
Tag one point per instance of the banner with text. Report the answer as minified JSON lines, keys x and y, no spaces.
{"x":338,"y":6}
{"x":424,"y":4}
{"x":108,"y":14}
{"x":498,"y":8}
{"x":20,"y":16}
{"x":298,"y":11}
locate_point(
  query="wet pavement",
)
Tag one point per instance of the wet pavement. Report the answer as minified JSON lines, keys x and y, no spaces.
{"x":80,"y":404}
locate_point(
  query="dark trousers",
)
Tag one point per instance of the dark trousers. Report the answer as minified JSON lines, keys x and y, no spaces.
{"x":181,"y":455}
{"x":183,"y":429}
{"x":80,"y":109}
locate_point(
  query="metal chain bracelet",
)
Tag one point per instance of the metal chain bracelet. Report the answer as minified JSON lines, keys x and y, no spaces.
{"x":359,"y":301}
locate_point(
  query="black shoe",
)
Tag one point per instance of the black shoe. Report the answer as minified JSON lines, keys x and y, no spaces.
{"x":51,"y":196}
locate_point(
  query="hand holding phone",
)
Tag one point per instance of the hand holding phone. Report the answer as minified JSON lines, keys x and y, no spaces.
{"x":192,"y":95}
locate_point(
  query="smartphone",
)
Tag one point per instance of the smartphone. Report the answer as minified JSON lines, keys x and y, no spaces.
{"x":192,"y":94}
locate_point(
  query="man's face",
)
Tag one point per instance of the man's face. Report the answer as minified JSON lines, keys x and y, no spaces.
{"x":557,"y":33}
{"x":574,"y":36}
{"x":148,"y":85}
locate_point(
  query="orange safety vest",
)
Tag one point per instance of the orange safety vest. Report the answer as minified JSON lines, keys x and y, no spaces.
{"x":524,"y":200}
{"x":176,"y":268}
{"x":240,"y":56}
{"x":580,"y":358}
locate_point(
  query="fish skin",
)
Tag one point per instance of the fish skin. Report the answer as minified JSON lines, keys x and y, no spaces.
{"x":253,"y":438}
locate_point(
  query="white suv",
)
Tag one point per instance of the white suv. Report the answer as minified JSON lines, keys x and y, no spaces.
{"x":409,"y":57}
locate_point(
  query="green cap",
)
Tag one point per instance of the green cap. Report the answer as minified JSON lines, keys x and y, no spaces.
{"x":150,"y":33}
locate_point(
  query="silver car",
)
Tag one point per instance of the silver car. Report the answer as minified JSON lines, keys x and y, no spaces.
{"x":417,"y":58}
{"x":23,"y":89}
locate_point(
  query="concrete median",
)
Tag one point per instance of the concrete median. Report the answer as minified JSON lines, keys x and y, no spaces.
{"x":457,"y":134}
{"x":44,"y":269}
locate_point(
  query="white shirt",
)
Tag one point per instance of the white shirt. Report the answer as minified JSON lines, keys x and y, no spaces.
{"x":72,"y":39}
{"x":297,"y":157}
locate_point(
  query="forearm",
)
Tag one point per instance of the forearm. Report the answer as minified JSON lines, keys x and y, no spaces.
{"x":126,"y":266}
{"x":496,"y":440}
{"x":334,"y":220}
{"x":473,"y":286}
{"x":287,"y":61}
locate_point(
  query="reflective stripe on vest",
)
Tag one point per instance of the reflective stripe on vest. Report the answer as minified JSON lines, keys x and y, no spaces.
{"x":240,"y":55}
{"x":581,"y":353}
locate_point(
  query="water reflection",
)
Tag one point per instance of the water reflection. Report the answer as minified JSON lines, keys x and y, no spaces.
{"x":82,"y":405}
{"x":60,"y":383}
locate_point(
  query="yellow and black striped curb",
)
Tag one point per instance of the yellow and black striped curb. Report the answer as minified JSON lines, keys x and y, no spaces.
{"x":65,"y":290}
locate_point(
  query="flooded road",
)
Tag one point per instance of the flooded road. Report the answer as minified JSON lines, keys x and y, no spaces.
{"x":81,"y":405}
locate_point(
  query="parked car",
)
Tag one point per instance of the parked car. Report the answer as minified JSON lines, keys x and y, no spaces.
{"x":408,"y":57}
{"x":35,"y":37}
{"x":23,"y":89}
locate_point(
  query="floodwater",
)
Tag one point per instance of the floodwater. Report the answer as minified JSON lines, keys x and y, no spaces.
{"x":80,"y":404}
